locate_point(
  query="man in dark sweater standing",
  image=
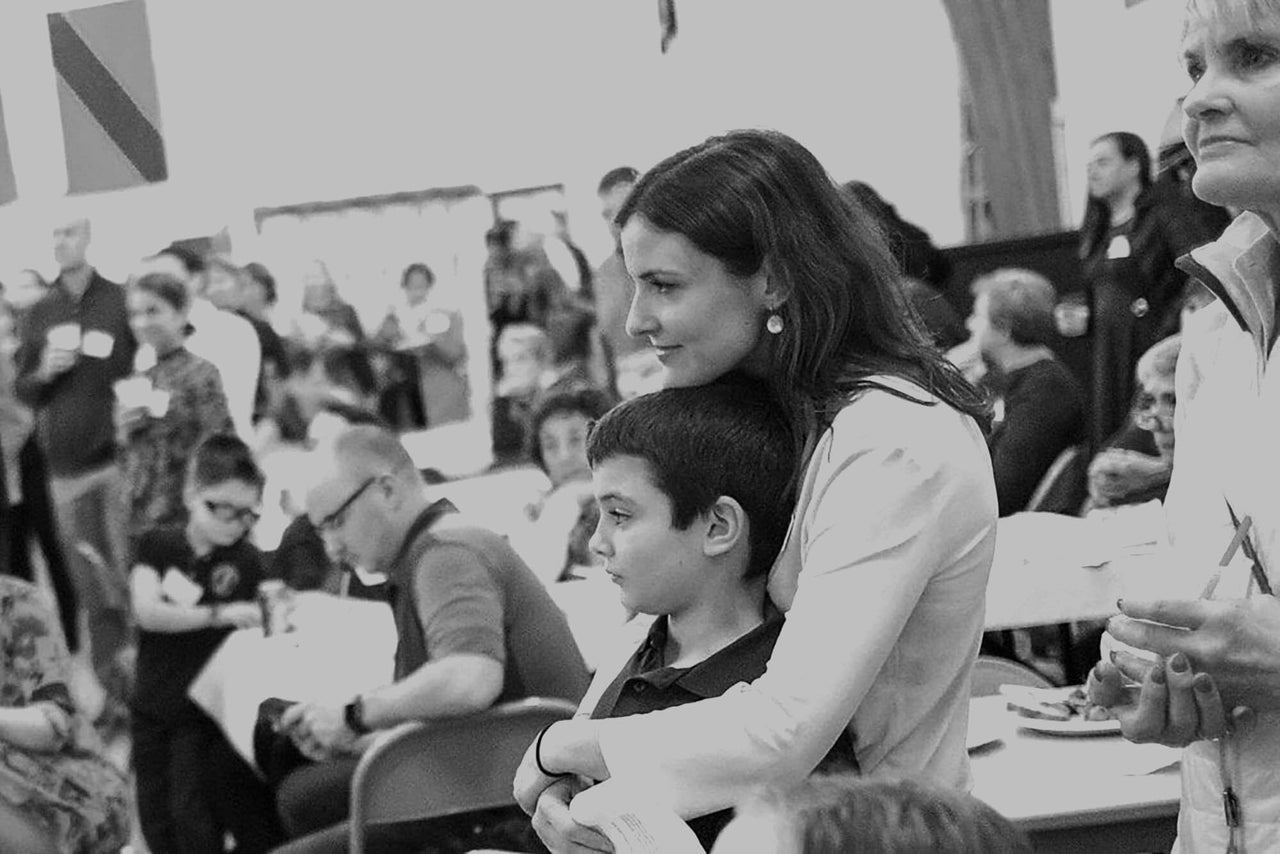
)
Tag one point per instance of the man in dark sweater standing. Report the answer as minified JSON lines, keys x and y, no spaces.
{"x":1039,"y":410}
{"x":76,"y":342}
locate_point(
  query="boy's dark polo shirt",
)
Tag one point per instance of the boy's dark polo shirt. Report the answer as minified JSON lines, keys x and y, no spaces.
{"x":74,"y":412}
{"x":169,"y":661}
{"x":646,"y":685}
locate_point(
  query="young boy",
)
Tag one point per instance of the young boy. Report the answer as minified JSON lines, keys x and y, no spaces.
{"x":695,"y":494}
{"x":192,"y":585}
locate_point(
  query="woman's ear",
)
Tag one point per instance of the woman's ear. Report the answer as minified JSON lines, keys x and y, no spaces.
{"x":726,"y":526}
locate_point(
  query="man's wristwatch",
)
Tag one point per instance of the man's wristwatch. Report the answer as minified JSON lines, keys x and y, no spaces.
{"x":353,"y":716}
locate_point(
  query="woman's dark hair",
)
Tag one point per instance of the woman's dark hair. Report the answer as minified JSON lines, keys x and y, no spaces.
{"x":417,"y":267}
{"x":166,"y":287}
{"x":758,"y":200}
{"x":262,"y":276}
{"x":1097,"y":213}
{"x":591,"y":403}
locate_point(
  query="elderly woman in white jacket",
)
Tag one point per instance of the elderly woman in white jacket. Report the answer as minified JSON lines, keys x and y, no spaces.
{"x":1215,"y":681}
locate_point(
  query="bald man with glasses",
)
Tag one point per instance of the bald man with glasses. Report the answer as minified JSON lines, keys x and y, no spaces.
{"x":475,"y":627}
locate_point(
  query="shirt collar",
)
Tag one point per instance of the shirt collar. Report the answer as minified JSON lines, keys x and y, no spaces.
{"x":722,"y":670}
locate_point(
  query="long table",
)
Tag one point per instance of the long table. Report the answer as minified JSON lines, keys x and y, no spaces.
{"x":1072,"y":794}
{"x":1051,"y":569}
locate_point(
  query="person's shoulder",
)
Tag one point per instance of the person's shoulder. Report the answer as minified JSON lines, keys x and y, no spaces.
{"x":166,"y":544}
{"x":898,"y":423}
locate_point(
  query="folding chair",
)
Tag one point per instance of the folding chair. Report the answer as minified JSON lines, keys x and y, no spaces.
{"x":448,"y":766}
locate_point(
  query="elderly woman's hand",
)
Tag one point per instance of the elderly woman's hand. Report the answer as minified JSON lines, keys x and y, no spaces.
{"x":1115,"y":473}
{"x":1236,"y":642}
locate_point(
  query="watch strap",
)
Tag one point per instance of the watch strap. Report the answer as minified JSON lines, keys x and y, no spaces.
{"x":353,"y":716}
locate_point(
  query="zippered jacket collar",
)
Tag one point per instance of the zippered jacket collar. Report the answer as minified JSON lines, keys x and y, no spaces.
{"x":1242,"y":268}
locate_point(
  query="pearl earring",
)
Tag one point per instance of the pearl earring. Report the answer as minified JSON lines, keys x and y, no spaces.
{"x":774,"y":324}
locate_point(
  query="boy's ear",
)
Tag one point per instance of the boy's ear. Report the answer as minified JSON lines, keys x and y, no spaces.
{"x":726,"y":526}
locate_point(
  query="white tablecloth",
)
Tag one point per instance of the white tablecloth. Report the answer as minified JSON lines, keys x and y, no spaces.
{"x":1046,"y":781}
{"x":1052,"y":569}
{"x":340,"y":648}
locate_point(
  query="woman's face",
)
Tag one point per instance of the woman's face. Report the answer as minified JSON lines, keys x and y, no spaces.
{"x":701,"y":320}
{"x":1109,"y":173}
{"x":416,"y":288}
{"x":1232,"y":113}
{"x":155,"y":321}
{"x":562,"y":438}
{"x":1154,"y":408}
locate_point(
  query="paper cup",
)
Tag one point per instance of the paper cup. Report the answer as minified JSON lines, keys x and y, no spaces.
{"x":133,"y":392}
{"x":64,"y":336}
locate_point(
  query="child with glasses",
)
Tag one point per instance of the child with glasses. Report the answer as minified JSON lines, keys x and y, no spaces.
{"x":192,"y":585}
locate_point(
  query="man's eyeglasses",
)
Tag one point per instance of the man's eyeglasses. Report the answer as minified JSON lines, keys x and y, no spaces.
{"x":225,"y":511}
{"x":337,"y":518}
{"x":1149,"y":410}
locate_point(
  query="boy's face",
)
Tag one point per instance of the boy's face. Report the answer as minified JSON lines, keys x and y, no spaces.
{"x":224,"y":512}
{"x":658,"y":568}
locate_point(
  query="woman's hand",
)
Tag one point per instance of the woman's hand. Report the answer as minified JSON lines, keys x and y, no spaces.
{"x":556,"y":828}
{"x":1169,"y":704}
{"x":1234,"y":641}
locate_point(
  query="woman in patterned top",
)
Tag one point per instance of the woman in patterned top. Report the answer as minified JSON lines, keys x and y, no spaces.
{"x":57,"y":791}
{"x":163,"y":414}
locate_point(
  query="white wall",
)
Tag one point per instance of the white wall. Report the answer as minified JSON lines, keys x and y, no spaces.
{"x":278,"y":101}
{"x":1118,"y":69}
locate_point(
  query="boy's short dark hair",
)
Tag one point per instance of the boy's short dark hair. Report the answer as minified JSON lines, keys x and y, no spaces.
{"x":729,"y":437}
{"x":222,"y":457}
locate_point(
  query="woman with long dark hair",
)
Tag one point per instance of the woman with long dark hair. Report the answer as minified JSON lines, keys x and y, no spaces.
{"x":1132,"y":233}
{"x":747,"y":256}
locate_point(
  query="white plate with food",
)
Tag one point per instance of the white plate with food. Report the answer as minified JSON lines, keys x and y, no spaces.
{"x":1058,"y":711}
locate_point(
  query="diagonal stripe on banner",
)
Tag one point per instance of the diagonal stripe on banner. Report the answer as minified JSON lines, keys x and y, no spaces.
{"x":8,"y":187}
{"x":85,"y":75}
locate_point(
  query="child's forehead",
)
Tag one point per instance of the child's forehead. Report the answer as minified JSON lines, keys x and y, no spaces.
{"x":631,"y":476}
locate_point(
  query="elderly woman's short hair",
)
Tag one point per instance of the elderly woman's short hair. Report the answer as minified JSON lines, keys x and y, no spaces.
{"x":1021,"y":302}
{"x":1160,"y":361}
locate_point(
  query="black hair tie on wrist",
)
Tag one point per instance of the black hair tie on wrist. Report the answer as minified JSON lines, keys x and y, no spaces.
{"x":537,"y":755}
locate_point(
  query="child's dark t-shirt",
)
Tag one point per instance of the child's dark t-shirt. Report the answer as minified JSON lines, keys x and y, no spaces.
{"x":169,"y":661}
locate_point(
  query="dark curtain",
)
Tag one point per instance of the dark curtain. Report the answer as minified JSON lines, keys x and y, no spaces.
{"x":1006,"y":51}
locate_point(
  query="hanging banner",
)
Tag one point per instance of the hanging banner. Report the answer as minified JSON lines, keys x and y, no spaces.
{"x":107,"y":96}
{"x":8,"y":187}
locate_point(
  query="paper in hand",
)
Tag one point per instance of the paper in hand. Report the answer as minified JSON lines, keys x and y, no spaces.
{"x":633,"y":821}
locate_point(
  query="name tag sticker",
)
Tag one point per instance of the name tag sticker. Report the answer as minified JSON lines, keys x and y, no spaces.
{"x":1118,"y":247}
{"x":97,"y":344}
{"x":179,"y":589}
